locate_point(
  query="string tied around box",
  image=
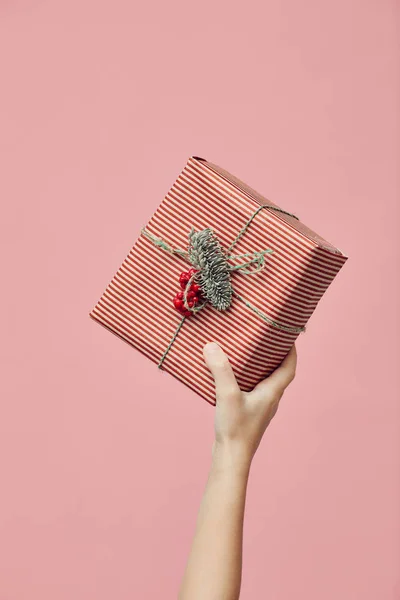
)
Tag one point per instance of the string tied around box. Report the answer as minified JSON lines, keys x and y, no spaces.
{"x":208,"y":281}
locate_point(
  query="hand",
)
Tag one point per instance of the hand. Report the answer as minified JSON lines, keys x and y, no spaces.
{"x":241,"y":418}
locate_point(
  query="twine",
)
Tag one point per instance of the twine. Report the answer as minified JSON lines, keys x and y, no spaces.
{"x":249,"y":222}
{"x":168,"y":348}
{"x":213,"y":271}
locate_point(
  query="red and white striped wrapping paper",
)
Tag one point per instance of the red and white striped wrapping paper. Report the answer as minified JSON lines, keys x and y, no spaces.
{"x":137,"y":304}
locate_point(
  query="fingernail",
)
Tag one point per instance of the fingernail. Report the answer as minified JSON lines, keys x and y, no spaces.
{"x":211,"y":349}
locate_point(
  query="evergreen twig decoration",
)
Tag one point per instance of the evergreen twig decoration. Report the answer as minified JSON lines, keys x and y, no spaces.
{"x":206,"y":255}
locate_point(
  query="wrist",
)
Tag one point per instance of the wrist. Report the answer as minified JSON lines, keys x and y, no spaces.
{"x":231,"y":457}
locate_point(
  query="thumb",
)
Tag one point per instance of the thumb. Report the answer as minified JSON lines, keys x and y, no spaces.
{"x":221,"y":370}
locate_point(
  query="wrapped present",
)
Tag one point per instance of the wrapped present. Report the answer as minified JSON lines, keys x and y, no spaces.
{"x":217,"y":262}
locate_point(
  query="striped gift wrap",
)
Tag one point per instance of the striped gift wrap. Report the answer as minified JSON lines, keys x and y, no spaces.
{"x":137,"y":304}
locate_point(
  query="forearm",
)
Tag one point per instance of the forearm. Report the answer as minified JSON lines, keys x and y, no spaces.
{"x":215,"y":562}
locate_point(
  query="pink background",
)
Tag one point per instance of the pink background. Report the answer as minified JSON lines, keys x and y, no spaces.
{"x":103,"y":459}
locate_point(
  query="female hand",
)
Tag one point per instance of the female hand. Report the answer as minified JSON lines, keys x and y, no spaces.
{"x":241,"y":418}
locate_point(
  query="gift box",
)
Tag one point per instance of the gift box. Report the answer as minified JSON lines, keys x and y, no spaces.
{"x":217,"y":262}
